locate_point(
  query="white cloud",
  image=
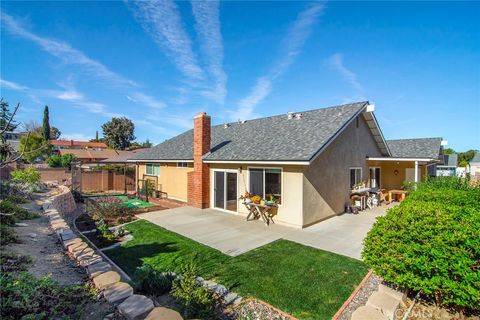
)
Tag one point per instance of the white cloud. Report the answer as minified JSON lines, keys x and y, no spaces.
{"x":336,"y":62}
{"x":65,"y":52}
{"x":12,"y":85}
{"x":296,"y":37}
{"x":147,"y":100}
{"x":207,"y":17}
{"x":162,"y":21}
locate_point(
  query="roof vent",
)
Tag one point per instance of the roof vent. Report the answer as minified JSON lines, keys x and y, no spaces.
{"x":290,"y":115}
{"x":226,"y":125}
{"x":241,"y":121}
{"x":298,"y":116}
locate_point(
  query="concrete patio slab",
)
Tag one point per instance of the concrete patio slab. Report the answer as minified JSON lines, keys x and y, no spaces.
{"x":233,"y":235}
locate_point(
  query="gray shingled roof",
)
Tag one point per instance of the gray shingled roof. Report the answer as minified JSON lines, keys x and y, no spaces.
{"x":476,"y":158}
{"x":266,"y":139}
{"x":415,"y":148}
{"x":450,"y":160}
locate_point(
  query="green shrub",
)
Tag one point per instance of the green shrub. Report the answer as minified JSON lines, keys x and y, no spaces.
{"x":28,"y":175}
{"x":64,"y":161}
{"x":12,"y":262}
{"x":7,"y":235}
{"x":149,"y":281}
{"x":431,"y":243}
{"x":109,"y":209}
{"x":25,"y":297}
{"x":11,"y":213}
{"x":196,"y":301}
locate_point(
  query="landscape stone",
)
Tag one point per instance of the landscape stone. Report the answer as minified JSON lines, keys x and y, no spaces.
{"x":77,"y":247}
{"x":368,"y":313}
{"x":384,"y":302}
{"x":135,"y":306}
{"x":401,"y":296}
{"x":79,"y":253}
{"x":89,"y":260}
{"x":162,"y":313}
{"x":106,"y":279}
{"x":32,"y":235}
{"x":21,"y":224}
{"x":98,"y":268}
{"x":118,"y":292}
{"x":71,"y":242}
{"x":230,"y":297}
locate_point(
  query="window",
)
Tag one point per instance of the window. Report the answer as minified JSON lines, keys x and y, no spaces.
{"x":152,"y":169}
{"x":355,"y":176}
{"x":182,"y":164}
{"x":374,"y":177}
{"x":266,"y":182}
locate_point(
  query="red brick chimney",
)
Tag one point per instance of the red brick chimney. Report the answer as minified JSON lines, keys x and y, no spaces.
{"x":199,"y":179}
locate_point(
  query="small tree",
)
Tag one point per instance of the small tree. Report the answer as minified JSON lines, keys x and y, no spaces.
{"x":55,"y":133}
{"x":119,"y":133}
{"x":34,"y":147}
{"x":6,"y":117}
{"x":46,"y":124}
{"x":147,"y":144}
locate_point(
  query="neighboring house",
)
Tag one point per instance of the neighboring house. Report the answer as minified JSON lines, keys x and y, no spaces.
{"x":308,"y":161}
{"x":72,"y":144}
{"x":89,"y":155}
{"x":122,"y":156}
{"x":449,"y":166}
{"x":474,"y":167}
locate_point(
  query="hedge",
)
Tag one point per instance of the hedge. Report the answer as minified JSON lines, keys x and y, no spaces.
{"x":431,"y":243}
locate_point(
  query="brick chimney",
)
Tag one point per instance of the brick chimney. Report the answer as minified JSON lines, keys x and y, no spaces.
{"x":199,"y":179}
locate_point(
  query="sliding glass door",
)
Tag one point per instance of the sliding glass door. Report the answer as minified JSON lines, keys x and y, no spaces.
{"x":225,"y":190}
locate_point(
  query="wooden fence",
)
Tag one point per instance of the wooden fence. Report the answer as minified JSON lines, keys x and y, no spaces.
{"x":107,"y":181}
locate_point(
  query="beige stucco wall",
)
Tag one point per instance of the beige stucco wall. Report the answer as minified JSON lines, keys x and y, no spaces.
{"x":172,"y":180}
{"x":290,"y":211}
{"x":326,"y":182}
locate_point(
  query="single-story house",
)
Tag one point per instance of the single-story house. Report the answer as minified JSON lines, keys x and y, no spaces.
{"x":308,"y":161}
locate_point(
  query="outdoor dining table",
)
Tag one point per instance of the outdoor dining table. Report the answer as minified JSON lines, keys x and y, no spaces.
{"x":258,"y":211}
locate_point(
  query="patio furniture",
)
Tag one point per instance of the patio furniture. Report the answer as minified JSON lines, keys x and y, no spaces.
{"x":257,"y":211}
{"x":360,"y":198}
{"x":399,"y":195}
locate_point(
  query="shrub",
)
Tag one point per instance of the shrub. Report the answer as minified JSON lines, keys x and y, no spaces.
{"x":25,"y":297}
{"x":196,"y":301}
{"x":108,"y":209}
{"x":11,"y":213}
{"x":7,"y":235}
{"x":12,"y":262}
{"x":431,"y":243}
{"x":149,"y":281}
{"x":28,"y":175}
{"x":64,"y":161}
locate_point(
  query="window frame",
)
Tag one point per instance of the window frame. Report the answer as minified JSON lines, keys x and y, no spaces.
{"x":264,"y":168}
{"x":153,"y":166}
{"x":350,"y":175}
{"x":182,"y":164}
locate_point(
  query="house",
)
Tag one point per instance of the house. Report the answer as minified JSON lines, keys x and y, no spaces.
{"x":449,"y":166}
{"x":89,"y":155}
{"x":13,"y":138}
{"x":308,"y":161}
{"x":72,"y":144}
{"x":474,"y":167}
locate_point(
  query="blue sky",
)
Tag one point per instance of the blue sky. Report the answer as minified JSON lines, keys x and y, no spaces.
{"x":160,"y":63}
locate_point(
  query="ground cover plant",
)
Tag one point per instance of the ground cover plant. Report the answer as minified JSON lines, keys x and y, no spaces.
{"x":109,"y":209}
{"x":303,"y":281}
{"x":431,"y":243}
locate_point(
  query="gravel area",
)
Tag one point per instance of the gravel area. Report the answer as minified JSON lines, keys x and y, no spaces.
{"x":361,"y":297}
{"x":252,"y":309}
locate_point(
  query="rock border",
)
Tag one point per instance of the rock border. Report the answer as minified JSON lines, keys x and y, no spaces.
{"x":96,"y":264}
{"x":352,"y":296}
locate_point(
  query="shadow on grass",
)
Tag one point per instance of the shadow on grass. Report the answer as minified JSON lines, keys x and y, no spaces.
{"x":131,"y":257}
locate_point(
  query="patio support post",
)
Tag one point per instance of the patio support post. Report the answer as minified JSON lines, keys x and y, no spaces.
{"x":416,"y":171}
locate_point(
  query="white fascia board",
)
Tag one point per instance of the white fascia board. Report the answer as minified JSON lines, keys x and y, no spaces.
{"x":401,"y":159}
{"x":155,"y":161}
{"x":300,"y":163}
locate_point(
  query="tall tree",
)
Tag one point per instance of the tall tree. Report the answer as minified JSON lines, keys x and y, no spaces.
{"x":6,"y":117}
{"x":46,"y":124}
{"x":119,"y":133}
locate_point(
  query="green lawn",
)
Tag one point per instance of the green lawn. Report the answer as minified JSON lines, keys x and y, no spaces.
{"x":300,"y":280}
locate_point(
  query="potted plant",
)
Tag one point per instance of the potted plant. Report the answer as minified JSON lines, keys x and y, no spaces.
{"x":246,"y":197}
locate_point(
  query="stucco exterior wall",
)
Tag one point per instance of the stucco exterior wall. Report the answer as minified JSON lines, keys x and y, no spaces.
{"x":172,"y":179}
{"x":326,"y":182}
{"x":290,"y":211}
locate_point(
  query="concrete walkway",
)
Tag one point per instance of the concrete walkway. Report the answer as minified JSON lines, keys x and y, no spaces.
{"x":233,"y":235}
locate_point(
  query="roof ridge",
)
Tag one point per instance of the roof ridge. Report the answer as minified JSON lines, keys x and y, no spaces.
{"x":404,"y":139}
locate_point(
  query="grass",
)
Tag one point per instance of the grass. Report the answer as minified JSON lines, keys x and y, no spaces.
{"x":303,"y":281}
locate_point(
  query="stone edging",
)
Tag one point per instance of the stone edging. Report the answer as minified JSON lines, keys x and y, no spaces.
{"x":352,"y":296}
{"x":99,"y":267}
